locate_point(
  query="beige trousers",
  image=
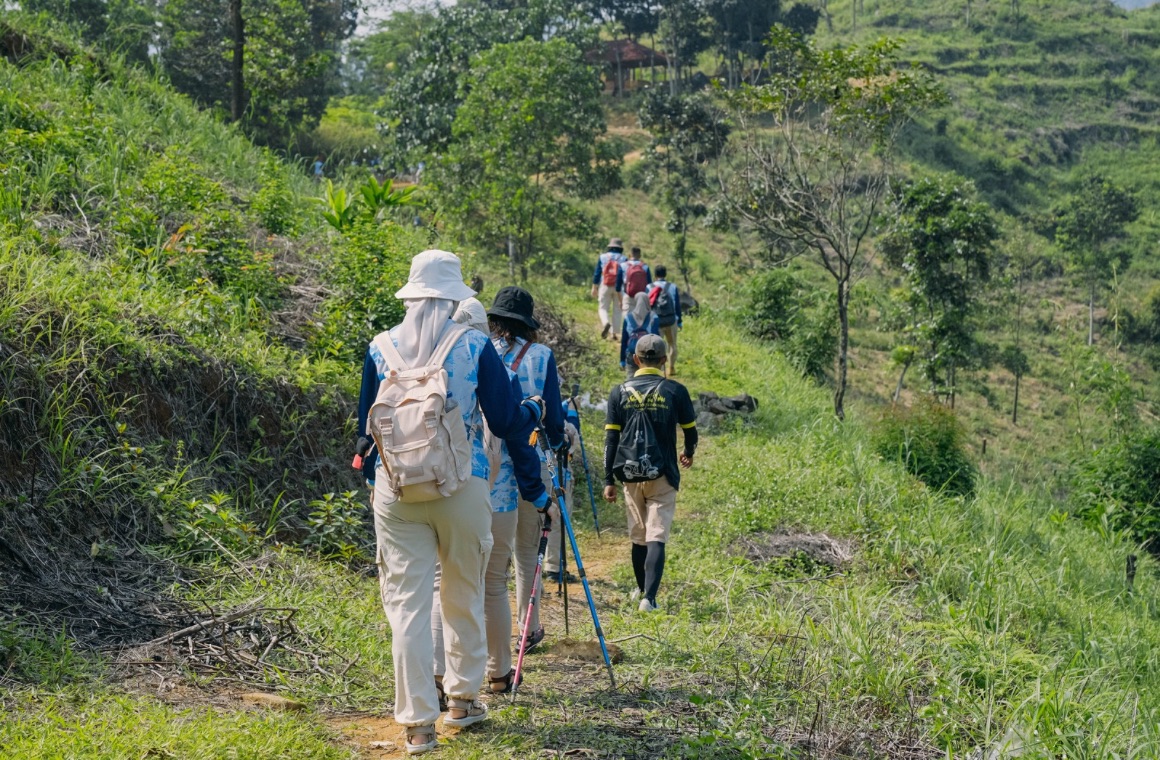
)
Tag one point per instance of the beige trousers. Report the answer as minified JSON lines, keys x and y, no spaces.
{"x":650,"y":506}
{"x":669,"y":333}
{"x":411,"y":538}
{"x":608,"y":307}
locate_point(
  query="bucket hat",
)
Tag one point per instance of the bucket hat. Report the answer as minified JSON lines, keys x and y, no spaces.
{"x":652,"y":347}
{"x":435,"y":274}
{"x":472,"y":314}
{"x":514,"y":303}
{"x":616,"y":243}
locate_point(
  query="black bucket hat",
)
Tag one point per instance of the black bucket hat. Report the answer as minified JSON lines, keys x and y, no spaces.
{"x":514,"y":303}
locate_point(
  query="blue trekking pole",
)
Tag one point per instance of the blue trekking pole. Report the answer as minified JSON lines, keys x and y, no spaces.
{"x":558,"y":493}
{"x":584,"y":458}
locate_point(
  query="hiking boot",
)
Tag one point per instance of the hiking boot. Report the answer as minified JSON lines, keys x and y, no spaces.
{"x":648,"y":605}
{"x":604,"y":334}
{"x":555,"y":577}
{"x":534,"y":638}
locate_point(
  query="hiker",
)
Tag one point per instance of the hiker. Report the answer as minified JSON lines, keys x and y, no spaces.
{"x":607,"y":283}
{"x":516,"y":523}
{"x":665,"y":301}
{"x":552,"y":555}
{"x":640,"y":449}
{"x":638,"y":322}
{"x":637,"y":277}
{"x":431,"y":498}
{"x":318,"y":167}
{"x":527,"y":465}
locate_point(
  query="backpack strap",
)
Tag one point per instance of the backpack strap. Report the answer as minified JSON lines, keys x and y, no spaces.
{"x":395,"y":360}
{"x":520,"y":356}
{"x":446,"y":343}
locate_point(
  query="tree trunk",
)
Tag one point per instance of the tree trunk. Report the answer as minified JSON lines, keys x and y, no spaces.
{"x":237,"y":80}
{"x":901,"y":377}
{"x":511,"y":258}
{"x":843,"y":348}
{"x":1015,"y":407}
{"x":1091,"y":312}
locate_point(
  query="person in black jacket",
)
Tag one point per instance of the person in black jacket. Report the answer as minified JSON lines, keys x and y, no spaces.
{"x":640,"y":449}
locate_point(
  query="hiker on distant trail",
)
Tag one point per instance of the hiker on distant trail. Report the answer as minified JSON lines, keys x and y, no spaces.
{"x":552,"y":555}
{"x":516,"y":523}
{"x":430,"y":494}
{"x":527,"y":465}
{"x":665,"y":300}
{"x":640,"y":450}
{"x":637,"y":277}
{"x":607,"y":283}
{"x":318,"y":168}
{"x":638,"y":322}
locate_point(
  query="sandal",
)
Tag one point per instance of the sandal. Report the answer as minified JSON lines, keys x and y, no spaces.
{"x":441,"y":694}
{"x":534,"y":638}
{"x":504,"y":684}
{"x":424,"y":747}
{"x":473,"y":712}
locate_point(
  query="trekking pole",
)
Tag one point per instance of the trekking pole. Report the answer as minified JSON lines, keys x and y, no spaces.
{"x":545,"y":529}
{"x":563,"y":586}
{"x":584,"y":457}
{"x":559,"y":494}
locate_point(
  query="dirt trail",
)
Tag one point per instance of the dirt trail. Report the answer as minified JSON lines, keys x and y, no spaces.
{"x":379,"y":736}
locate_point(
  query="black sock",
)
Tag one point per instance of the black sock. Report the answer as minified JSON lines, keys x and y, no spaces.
{"x":639,"y":553}
{"x":654,"y":568}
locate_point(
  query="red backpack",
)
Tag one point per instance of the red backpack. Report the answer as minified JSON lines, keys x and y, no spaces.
{"x":611,"y":272}
{"x":635,"y":279}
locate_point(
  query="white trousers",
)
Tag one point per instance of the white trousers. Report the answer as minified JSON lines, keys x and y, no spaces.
{"x":411,"y":538}
{"x":608,"y":301}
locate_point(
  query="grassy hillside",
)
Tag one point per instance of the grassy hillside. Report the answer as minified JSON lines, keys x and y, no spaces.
{"x":176,"y":365}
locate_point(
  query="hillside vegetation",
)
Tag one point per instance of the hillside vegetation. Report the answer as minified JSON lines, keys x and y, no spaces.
{"x":180,"y":338}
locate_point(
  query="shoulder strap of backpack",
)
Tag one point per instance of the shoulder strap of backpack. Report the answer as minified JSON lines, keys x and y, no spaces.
{"x":520,"y":356}
{"x":390,"y":354}
{"x":450,"y":337}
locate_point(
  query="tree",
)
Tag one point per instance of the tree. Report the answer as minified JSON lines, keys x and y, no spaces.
{"x":635,"y":17}
{"x":684,"y":33}
{"x":1087,"y":228}
{"x":276,"y":69}
{"x":687,"y":133}
{"x":941,"y":242}
{"x":378,"y":59}
{"x":526,"y":133}
{"x":813,"y":163}
{"x":124,"y":26}
{"x":740,"y":27}
{"x":422,"y":101}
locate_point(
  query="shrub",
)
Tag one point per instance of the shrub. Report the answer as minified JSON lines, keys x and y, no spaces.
{"x":927,"y":440}
{"x":274,"y":202}
{"x":781,"y":307}
{"x":1121,"y":483}
{"x":369,"y":264}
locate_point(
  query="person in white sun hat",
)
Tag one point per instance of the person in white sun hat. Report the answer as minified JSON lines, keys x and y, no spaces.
{"x":427,"y":386}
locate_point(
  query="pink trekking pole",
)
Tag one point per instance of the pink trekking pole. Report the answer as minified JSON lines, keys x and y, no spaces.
{"x":545,"y":529}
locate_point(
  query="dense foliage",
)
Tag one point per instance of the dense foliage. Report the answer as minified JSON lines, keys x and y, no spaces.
{"x":927,"y":440}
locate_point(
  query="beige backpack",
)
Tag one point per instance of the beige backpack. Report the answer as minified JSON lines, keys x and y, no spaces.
{"x":420,"y":433}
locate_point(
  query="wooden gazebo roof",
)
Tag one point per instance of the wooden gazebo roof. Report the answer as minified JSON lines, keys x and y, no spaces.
{"x":629,"y":54}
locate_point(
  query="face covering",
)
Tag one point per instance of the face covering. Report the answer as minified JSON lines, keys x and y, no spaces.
{"x":422,"y":327}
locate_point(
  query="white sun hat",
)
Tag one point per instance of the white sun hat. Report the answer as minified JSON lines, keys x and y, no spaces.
{"x":435,"y":274}
{"x":472,"y":314}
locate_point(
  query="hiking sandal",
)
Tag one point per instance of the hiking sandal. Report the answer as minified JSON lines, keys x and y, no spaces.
{"x":474,"y":711}
{"x":441,"y":694}
{"x":423,"y":747}
{"x":504,"y":684}
{"x":534,"y":638}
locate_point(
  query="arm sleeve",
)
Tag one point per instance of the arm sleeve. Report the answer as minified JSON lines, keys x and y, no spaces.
{"x":596,"y":274}
{"x":509,"y":420}
{"x":648,"y":274}
{"x":613,"y":423}
{"x":677,"y":303}
{"x":611,"y":444}
{"x":687,"y":419}
{"x":366,"y":397}
{"x":620,"y":279}
{"x":554,"y":415}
